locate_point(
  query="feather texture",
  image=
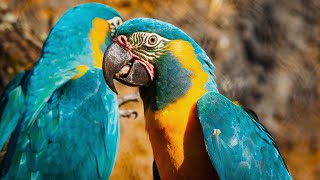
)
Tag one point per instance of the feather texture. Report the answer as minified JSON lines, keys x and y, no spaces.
{"x":239,"y":146}
{"x":62,"y":118}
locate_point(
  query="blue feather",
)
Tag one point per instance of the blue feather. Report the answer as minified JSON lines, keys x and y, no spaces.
{"x":62,"y":128}
{"x":239,"y":146}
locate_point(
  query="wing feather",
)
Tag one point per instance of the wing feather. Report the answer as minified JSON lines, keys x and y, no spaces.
{"x":239,"y":146}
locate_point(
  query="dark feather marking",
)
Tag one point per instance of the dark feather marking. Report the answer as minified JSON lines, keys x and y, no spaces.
{"x":156,"y":175}
{"x":5,"y":164}
{"x":257,"y":122}
{"x":4,"y":150}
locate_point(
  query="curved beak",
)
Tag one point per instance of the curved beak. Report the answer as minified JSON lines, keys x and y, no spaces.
{"x":118,"y":63}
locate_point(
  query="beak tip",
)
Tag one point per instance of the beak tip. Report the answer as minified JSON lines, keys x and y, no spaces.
{"x":115,"y":91}
{"x":111,"y":85}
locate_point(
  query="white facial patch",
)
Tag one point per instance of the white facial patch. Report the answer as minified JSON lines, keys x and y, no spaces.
{"x":114,"y":24}
{"x":147,"y":45}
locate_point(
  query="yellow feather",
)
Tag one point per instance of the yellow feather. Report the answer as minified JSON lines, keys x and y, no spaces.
{"x":82,"y":70}
{"x":98,"y":34}
{"x":169,"y":126}
{"x":236,"y":103}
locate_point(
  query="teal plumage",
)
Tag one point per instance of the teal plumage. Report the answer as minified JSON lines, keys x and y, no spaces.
{"x":170,"y":32}
{"x":63,"y":123}
{"x":238,"y":145}
{"x":183,"y":107}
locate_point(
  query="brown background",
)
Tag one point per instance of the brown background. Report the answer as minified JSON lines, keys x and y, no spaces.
{"x":266,"y":53}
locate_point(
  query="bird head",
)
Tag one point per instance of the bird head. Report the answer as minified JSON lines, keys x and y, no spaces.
{"x":145,"y":50}
{"x":80,"y":37}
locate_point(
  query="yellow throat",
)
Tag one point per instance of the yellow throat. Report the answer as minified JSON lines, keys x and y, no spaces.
{"x":174,"y":131}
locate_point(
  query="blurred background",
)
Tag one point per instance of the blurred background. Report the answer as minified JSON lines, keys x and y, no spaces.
{"x":266,"y":53}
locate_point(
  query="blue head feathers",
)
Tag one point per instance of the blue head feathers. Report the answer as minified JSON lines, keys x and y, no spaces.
{"x":70,"y":37}
{"x":170,"y":32}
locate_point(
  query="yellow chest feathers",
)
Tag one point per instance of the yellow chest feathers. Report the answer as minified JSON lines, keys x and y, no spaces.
{"x":175,"y":115}
{"x":174,"y":131}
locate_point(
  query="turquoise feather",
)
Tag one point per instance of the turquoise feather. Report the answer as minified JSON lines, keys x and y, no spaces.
{"x":239,"y":146}
{"x":62,"y":128}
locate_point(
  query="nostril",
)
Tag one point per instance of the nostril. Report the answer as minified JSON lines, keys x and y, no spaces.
{"x":122,"y":40}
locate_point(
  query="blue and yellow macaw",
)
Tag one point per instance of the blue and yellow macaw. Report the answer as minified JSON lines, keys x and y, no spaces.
{"x":60,"y":120}
{"x":195,"y":132}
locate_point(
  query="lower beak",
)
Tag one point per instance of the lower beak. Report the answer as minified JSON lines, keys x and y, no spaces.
{"x":119,"y":64}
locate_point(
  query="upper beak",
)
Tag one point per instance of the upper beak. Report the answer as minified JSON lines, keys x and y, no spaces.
{"x":119,"y":64}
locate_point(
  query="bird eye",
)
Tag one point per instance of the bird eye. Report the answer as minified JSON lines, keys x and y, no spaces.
{"x":152,"y":40}
{"x":118,"y":22}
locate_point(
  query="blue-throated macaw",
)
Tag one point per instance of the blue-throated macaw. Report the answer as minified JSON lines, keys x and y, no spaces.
{"x":61,"y":118}
{"x":195,"y":132}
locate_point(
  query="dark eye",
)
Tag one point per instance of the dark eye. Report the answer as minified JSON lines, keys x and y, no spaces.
{"x":118,"y":22}
{"x":152,"y":40}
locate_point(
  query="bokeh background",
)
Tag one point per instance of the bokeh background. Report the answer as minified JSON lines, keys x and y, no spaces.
{"x":266,"y":53}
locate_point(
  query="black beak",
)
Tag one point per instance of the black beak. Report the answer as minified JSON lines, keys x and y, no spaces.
{"x":119,"y":64}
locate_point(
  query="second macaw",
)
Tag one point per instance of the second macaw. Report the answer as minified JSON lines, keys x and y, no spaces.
{"x":195,"y":132}
{"x":60,"y":120}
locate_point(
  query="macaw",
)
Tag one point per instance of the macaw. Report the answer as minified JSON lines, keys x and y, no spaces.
{"x":195,"y":132}
{"x":60,"y":120}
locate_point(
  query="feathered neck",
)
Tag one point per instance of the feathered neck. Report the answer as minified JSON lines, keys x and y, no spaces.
{"x":180,"y":74}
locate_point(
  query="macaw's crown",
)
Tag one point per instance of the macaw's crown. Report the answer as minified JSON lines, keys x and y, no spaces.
{"x":82,"y":33}
{"x":161,"y":28}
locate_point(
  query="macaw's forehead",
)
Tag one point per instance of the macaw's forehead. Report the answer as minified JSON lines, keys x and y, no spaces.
{"x":161,"y":28}
{"x":89,"y":11}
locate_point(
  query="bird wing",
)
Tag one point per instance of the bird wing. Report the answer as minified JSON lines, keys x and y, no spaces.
{"x":21,"y":103}
{"x":11,"y":108}
{"x":11,"y":111}
{"x":112,"y":136}
{"x":238,"y":145}
{"x":46,"y":77}
{"x":63,"y":143}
